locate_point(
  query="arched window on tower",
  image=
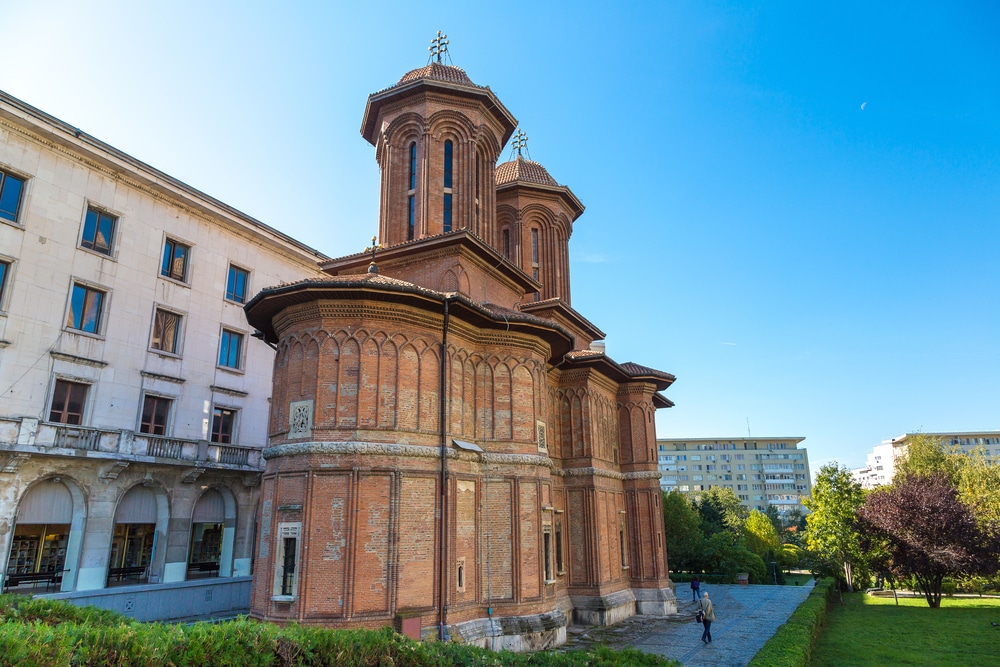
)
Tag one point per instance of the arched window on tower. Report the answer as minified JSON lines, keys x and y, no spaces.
{"x":505,"y":242}
{"x":534,"y":257}
{"x":411,"y":203}
{"x":448,"y":160}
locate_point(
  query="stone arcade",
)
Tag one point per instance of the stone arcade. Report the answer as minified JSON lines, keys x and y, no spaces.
{"x":451,"y":451}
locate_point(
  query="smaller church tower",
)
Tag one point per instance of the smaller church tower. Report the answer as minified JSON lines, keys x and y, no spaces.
{"x":535,"y":218}
{"x":437,"y":138}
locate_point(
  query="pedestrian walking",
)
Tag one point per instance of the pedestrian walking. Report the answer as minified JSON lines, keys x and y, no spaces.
{"x":707,"y":612}
{"x":695,"y":585}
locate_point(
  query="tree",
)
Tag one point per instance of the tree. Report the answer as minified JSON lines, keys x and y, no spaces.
{"x":775,"y":518}
{"x":832,"y":533}
{"x":977,"y":480}
{"x":729,"y":556}
{"x":682,"y":527}
{"x":927,"y":532}
{"x":761,"y":536}
{"x":720,"y":511}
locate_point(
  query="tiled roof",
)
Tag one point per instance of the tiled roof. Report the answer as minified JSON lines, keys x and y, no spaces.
{"x":438,"y":71}
{"x":584,"y":354}
{"x":633,"y":368}
{"x":523,"y":170}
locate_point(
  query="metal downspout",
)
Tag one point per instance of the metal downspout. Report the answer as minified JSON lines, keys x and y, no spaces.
{"x":443,"y":405}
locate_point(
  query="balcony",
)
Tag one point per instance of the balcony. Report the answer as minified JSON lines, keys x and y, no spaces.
{"x":25,"y":436}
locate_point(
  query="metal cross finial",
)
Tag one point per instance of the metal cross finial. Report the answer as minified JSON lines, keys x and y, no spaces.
{"x":519,"y":141}
{"x":373,"y":268}
{"x":439,"y":46}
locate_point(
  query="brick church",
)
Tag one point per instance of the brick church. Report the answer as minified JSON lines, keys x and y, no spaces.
{"x":451,"y":451}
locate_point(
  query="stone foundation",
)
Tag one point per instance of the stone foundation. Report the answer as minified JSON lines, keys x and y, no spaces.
{"x":655,"y":601}
{"x":603,"y":610}
{"x":513,"y":633}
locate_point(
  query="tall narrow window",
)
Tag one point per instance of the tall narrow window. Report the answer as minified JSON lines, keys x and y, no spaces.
{"x":236,"y":284}
{"x":155,"y":411}
{"x":534,"y":254}
{"x":559,"y":554}
{"x":448,"y":160}
{"x":230,"y":348}
{"x":288,"y":566}
{"x":166,"y":331}
{"x":98,"y":231}
{"x":223,"y":425}
{"x":505,"y":243}
{"x":10,"y":196}
{"x":85,"y":309}
{"x":547,"y":549}
{"x":175,"y":260}
{"x":4,"y":270}
{"x":411,"y":199}
{"x":68,"y":400}
{"x":621,"y":544}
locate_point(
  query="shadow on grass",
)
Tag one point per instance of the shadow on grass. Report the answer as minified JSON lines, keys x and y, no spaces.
{"x":874,"y":631}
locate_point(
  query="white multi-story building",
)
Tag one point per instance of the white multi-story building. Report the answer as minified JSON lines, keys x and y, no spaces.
{"x":135,"y":398}
{"x":760,"y":471}
{"x":880,"y":467}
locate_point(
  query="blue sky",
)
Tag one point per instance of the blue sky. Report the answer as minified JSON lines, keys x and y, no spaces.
{"x":813,"y":267}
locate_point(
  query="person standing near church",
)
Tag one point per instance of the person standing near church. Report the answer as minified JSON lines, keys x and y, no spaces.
{"x":707,"y":610}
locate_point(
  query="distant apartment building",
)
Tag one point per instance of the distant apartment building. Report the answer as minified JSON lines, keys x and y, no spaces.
{"x":881,"y":462}
{"x":760,"y":471}
{"x":135,"y":396}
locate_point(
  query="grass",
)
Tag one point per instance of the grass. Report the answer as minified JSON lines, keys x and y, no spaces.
{"x":797,"y":579}
{"x":874,"y":631}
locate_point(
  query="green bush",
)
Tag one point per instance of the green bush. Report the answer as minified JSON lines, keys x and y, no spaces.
{"x":791,"y":645}
{"x":44,"y":633}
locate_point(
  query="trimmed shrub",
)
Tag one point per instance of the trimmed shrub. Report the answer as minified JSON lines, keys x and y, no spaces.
{"x":44,"y":633}
{"x":791,"y":645}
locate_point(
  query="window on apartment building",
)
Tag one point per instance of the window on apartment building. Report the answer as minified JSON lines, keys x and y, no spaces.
{"x":236,"y":284}
{"x":223,"y":425}
{"x":68,"y":402}
{"x":4,"y":272}
{"x":166,"y":331}
{"x":10,"y":195}
{"x":86,"y":306}
{"x":448,"y":163}
{"x":230,"y":349}
{"x":175,"y":260}
{"x":155,"y":412}
{"x":99,"y":231}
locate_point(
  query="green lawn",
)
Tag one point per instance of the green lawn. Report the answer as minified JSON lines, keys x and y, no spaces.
{"x":874,"y":631}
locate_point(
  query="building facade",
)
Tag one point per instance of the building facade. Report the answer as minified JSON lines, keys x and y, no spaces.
{"x":881,"y":462}
{"x":135,"y":399}
{"x":761,"y":472}
{"x":451,"y":450}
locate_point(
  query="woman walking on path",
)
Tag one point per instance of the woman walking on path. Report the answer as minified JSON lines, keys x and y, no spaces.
{"x":707,"y":616}
{"x":695,"y":585}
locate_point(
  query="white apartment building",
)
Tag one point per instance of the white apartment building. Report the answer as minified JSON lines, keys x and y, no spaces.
{"x":135,"y":398}
{"x":880,"y":466}
{"x":760,"y":471}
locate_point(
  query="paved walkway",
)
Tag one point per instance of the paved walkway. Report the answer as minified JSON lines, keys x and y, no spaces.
{"x":746,"y":617}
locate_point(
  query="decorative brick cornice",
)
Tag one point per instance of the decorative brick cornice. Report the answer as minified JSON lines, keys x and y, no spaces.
{"x":610,"y":474}
{"x":394,"y":449}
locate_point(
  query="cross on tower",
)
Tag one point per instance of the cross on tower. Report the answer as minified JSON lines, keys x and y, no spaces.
{"x":373,"y":268}
{"x":519,"y":141}
{"x":439,"y":46}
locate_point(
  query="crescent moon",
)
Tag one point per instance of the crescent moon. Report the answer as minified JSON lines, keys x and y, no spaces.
{"x":863,"y":105}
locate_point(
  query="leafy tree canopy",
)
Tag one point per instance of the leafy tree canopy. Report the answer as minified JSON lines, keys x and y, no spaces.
{"x":832,"y":534}
{"x":682,"y":525}
{"x":761,"y":536}
{"x":927,"y":532}
{"x":721,"y":510}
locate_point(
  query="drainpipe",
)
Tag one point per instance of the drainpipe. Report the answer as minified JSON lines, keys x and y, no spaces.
{"x":443,"y":406}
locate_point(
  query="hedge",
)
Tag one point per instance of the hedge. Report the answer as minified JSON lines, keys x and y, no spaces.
{"x":44,"y":633}
{"x":792,"y":644}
